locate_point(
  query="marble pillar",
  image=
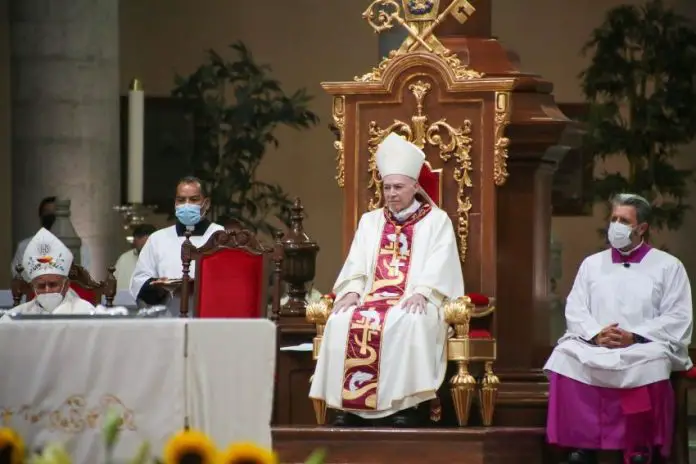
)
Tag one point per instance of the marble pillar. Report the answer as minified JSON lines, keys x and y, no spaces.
{"x":65,"y":117}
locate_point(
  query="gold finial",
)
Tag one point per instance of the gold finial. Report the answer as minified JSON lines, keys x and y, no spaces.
{"x":136,"y":84}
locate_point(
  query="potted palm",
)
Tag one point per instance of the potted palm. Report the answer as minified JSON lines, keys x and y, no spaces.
{"x":641,"y":85}
{"x":236,"y":107}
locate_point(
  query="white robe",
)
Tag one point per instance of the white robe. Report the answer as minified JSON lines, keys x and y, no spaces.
{"x":125,"y":265}
{"x":160,"y":258}
{"x":413,"y":349}
{"x":72,"y":304}
{"x":651,"y":299}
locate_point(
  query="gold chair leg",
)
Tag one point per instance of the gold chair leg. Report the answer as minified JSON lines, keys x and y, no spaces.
{"x":319,"y":408}
{"x":462,"y":386}
{"x":488,"y":394}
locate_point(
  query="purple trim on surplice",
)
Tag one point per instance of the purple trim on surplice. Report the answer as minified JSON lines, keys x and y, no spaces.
{"x":636,"y":256}
{"x":598,"y":418}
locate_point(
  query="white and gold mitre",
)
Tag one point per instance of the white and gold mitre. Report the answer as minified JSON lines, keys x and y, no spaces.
{"x":46,"y":254}
{"x":396,"y":155}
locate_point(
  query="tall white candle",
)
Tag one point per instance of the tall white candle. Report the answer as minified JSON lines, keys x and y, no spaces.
{"x":136,"y":122}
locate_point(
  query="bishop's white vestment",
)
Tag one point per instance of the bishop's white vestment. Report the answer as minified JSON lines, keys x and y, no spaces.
{"x":377,"y":359}
{"x":650,"y":297}
{"x":160,"y":258}
{"x":72,"y":304}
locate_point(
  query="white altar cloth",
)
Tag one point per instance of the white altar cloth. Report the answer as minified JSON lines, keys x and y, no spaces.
{"x":59,"y":378}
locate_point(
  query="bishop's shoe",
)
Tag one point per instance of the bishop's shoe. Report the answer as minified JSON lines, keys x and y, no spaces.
{"x":581,"y":456}
{"x":406,"y":418}
{"x":346,"y":419}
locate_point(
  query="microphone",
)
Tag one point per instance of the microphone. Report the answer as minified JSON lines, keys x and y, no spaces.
{"x":626,"y":265}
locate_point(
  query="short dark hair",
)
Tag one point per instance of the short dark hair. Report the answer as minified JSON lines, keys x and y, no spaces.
{"x":44,"y":202}
{"x":143,"y":230}
{"x":642,"y":206}
{"x":189,"y":180}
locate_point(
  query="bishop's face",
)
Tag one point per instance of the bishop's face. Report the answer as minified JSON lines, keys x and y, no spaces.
{"x":49,"y":283}
{"x":399,"y":191}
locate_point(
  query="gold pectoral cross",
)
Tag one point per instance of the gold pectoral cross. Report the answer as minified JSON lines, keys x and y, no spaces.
{"x":367,"y":333}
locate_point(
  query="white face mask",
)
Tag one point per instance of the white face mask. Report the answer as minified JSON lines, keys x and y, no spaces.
{"x":619,"y":235}
{"x":50,"y":301}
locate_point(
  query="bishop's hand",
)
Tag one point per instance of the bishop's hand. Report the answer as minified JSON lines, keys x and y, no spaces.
{"x":415,"y":304}
{"x":346,"y":302}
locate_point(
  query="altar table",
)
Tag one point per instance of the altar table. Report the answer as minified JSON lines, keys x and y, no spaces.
{"x":59,"y":378}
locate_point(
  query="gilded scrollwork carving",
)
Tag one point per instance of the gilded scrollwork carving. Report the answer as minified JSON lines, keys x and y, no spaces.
{"x":419,"y":19}
{"x":500,"y":153}
{"x":339,"y":117}
{"x":453,"y":143}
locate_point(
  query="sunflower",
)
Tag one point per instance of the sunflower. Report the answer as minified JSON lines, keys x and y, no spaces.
{"x":11,"y":447}
{"x":190,"y":447}
{"x":248,"y":453}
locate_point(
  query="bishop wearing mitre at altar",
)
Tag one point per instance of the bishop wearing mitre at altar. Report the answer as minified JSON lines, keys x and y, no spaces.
{"x":47,"y":262}
{"x":629,"y":323}
{"x":384,"y":346}
{"x":158,"y":271}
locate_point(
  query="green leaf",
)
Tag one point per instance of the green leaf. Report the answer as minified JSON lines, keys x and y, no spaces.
{"x":317,"y":457}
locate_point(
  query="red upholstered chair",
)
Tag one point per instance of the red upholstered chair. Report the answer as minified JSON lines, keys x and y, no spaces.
{"x":80,"y":281}
{"x":473,"y":319}
{"x":231,"y":279}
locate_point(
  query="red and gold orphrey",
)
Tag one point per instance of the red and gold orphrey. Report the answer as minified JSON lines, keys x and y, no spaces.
{"x":363,"y":348}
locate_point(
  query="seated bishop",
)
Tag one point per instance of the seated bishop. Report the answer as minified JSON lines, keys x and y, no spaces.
{"x":47,"y":263}
{"x":629,"y":323}
{"x":159,"y":261}
{"x":384,"y":346}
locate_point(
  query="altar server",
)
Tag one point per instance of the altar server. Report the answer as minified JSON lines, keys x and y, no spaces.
{"x":629,"y":323}
{"x":125,"y":265}
{"x":383,"y":350}
{"x":160,"y":259}
{"x":47,"y":263}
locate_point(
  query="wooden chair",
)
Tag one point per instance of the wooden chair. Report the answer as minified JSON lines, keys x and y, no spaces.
{"x":682,"y":383}
{"x":80,"y":281}
{"x":231,"y":276}
{"x":473,"y":320}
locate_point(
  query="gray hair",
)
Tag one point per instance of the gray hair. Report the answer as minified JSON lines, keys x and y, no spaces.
{"x":642,"y":206}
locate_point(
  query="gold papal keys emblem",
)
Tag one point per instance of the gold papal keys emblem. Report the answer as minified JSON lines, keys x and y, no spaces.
{"x":419,"y":18}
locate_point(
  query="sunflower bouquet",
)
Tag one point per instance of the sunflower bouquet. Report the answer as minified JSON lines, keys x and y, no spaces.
{"x":185,"y":447}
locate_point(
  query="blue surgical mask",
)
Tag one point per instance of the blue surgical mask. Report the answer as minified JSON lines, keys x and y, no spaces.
{"x":188,"y":214}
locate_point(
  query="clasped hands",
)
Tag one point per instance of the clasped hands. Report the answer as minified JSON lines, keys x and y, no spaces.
{"x":614,"y":337}
{"x":415,"y":304}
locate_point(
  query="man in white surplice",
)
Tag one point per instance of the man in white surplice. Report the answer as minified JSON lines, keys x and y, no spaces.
{"x":160,"y":259}
{"x":629,"y":318}
{"x":383,"y":351}
{"x":47,"y":263}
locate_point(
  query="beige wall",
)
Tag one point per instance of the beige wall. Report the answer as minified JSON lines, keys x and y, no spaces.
{"x":307,"y":42}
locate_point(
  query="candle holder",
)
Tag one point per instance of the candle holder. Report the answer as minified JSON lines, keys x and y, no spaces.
{"x":133,"y":215}
{"x":299,"y":263}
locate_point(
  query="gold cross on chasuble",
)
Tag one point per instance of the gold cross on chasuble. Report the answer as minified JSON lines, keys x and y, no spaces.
{"x":365,"y":324}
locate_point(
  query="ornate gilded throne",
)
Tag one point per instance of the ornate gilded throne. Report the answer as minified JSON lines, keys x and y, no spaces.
{"x":481,"y":122}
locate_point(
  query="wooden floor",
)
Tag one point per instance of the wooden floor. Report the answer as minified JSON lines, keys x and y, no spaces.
{"x":493,"y":445}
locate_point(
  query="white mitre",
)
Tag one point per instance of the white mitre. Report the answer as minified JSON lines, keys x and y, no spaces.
{"x":46,"y":254}
{"x":396,"y":155}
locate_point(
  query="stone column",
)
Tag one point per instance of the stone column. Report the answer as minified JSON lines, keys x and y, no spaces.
{"x":65,"y":117}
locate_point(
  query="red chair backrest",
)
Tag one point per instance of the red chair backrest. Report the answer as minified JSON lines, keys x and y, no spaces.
{"x":430,"y":181}
{"x":231,"y":283}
